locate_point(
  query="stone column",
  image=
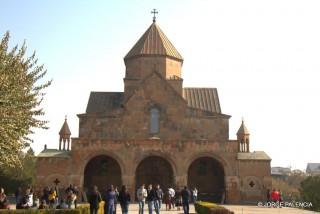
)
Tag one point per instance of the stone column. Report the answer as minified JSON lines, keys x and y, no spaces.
{"x":232,"y":189}
{"x":181,"y":180}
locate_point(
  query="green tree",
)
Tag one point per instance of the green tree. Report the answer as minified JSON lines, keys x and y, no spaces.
{"x":310,"y":191}
{"x":13,"y":177}
{"x":21,"y":93}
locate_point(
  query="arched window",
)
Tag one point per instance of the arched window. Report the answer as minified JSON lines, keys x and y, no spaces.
{"x":154,"y":121}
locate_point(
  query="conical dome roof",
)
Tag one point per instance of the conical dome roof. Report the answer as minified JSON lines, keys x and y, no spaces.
{"x":65,"y":129}
{"x":243,"y":129}
{"x":154,"y":42}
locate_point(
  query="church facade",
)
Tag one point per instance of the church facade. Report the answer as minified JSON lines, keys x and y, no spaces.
{"x":157,"y":132}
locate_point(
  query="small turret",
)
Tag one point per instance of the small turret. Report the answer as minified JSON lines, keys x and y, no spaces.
{"x":65,"y":135}
{"x":243,"y":138}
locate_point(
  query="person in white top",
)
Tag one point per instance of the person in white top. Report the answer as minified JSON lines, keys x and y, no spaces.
{"x":29,"y":196}
{"x":194,"y":194}
{"x":141,"y":196}
{"x":172,"y":193}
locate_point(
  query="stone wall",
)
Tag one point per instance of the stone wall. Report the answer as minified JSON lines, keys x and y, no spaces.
{"x":130,"y":153}
{"x":255,"y":180}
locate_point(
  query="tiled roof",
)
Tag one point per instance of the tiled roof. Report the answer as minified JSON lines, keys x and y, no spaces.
{"x":65,"y":129}
{"x":198,"y":98}
{"x":202,"y":98}
{"x":54,"y":153}
{"x":154,"y":42}
{"x":313,"y":167}
{"x":280,"y":170}
{"x":104,"y":101}
{"x":243,"y":129}
{"x":256,"y":155}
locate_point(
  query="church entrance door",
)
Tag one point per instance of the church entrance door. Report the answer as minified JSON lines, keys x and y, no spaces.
{"x":207,"y":175}
{"x":154,"y":170}
{"x":102,"y":171}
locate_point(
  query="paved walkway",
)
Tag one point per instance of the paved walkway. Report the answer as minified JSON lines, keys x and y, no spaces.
{"x":262,"y":210}
{"x":238,"y":209}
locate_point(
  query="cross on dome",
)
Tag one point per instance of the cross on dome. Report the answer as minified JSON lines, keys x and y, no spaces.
{"x":154,"y":12}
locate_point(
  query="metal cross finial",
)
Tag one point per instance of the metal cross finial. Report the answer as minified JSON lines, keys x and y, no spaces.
{"x":154,"y":14}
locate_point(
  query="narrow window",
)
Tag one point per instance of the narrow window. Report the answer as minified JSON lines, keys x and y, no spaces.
{"x":154,"y":121}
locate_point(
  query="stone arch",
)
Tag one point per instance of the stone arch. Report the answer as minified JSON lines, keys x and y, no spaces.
{"x":160,"y":154}
{"x":155,"y":169}
{"x":102,"y":169}
{"x":111,"y":154}
{"x":226,"y":166}
{"x":207,"y":174}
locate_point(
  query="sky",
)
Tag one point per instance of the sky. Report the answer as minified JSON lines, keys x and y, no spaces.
{"x":263,"y":56}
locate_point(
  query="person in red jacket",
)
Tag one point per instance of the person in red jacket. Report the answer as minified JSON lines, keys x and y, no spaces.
{"x":274,"y":196}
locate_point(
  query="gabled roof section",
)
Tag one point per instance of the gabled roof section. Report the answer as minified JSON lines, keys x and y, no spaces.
{"x":154,"y":42}
{"x":313,"y":167}
{"x":256,"y":155}
{"x":202,"y":98}
{"x":104,"y":101}
{"x":155,"y":73}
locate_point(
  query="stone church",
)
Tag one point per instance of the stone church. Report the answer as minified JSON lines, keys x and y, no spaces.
{"x":157,"y":132}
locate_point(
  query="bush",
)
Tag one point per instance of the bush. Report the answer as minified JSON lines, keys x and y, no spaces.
{"x":210,"y":208}
{"x":81,"y":209}
{"x":310,"y":191}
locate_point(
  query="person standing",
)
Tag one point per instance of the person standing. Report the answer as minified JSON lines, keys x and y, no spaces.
{"x":268,"y":195}
{"x":29,"y":197}
{"x":172,"y":194}
{"x":76,"y":193}
{"x":159,"y":193}
{"x":52,"y":198}
{"x":156,"y":200}
{"x":18,"y":195}
{"x":194,"y":195}
{"x":185,"y":194}
{"x":124,"y":199}
{"x":116,"y":200}
{"x":4,"y":203}
{"x":279,"y":195}
{"x":150,"y":198}
{"x":167,"y":200}
{"x":141,"y":196}
{"x":94,"y":200}
{"x":45,"y":195}
{"x":178,"y":199}
{"x":109,"y":200}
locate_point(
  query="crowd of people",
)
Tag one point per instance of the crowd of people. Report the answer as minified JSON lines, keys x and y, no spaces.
{"x":50,"y":198}
{"x":152,"y":197}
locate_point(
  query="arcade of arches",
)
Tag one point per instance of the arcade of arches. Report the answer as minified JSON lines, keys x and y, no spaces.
{"x":204,"y":173}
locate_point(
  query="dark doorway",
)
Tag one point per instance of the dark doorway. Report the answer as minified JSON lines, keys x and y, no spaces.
{"x":102,"y":171}
{"x":207,"y":175}
{"x":154,"y":170}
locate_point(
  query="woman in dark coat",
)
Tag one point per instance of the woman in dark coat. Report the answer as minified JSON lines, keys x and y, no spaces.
{"x":124,"y":199}
{"x":94,"y":200}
